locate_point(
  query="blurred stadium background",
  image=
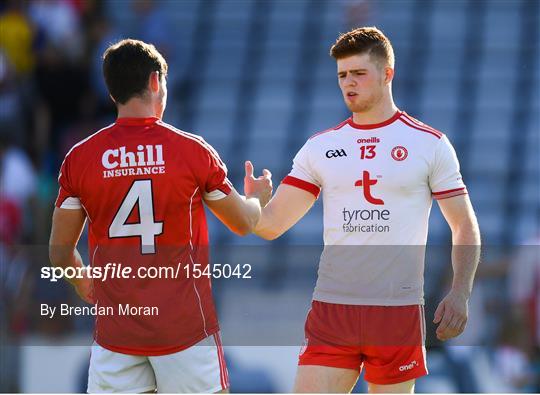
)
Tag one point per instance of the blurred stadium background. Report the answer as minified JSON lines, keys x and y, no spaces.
{"x":255,"y":80}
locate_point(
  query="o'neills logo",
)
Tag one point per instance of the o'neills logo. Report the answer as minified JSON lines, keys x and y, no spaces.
{"x":146,"y":160}
{"x":409,"y":366}
{"x":371,"y":140}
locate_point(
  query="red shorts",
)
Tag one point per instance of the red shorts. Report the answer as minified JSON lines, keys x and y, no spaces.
{"x":388,"y":340}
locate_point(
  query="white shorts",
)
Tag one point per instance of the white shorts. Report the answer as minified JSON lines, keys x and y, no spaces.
{"x":197,"y":369}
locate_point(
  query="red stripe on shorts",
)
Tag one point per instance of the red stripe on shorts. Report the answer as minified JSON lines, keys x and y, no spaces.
{"x":224,"y":375}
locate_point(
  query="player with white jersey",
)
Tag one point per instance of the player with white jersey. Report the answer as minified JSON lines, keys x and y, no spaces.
{"x":378,"y":172}
{"x":397,"y":166}
{"x":142,"y":184}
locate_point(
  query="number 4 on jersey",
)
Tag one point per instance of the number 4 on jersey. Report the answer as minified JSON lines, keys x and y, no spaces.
{"x":147,"y":229}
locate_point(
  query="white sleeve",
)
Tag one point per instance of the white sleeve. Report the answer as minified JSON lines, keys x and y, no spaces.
{"x":303,"y":175}
{"x":445,"y":179}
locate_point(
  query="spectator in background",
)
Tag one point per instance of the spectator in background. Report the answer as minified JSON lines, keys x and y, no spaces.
{"x":59,"y":22}
{"x":18,"y":185}
{"x":61,"y":76}
{"x":60,"y":86}
{"x":14,"y":267}
{"x":17,"y":38}
{"x":17,"y":64}
{"x":17,"y":175}
{"x":13,"y":104}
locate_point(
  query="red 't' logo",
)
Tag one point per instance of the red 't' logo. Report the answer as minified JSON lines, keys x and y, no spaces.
{"x":366,"y":183}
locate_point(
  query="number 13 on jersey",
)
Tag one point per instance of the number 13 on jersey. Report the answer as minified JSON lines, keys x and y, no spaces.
{"x":367,"y":151}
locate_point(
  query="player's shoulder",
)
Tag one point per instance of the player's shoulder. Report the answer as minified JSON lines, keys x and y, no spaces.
{"x":187,"y":139}
{"x":90,"y":140}
{"x":181,"y":135}
{"x":416,"y":126}
{"x":327,"y":132}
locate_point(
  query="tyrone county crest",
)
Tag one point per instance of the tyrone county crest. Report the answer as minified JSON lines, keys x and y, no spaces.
{"x":399,"y":153}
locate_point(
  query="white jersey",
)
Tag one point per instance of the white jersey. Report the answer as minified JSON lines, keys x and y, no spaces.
{"x":377,"y":183}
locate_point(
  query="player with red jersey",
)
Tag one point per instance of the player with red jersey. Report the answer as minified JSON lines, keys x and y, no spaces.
{"x":142,"y":185}
{"x":378,"y":172}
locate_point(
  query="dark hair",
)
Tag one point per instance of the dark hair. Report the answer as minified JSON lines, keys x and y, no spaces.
{"x":127,"y":65}
{"x":362,"y":40}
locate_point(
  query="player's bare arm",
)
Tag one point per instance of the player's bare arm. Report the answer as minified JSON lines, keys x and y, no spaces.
{"x":241,"y":213}
{"x":67,"y":226}
{"x":288,"y":205}
{"x":238,"y":213}
{"x":285,"y":209}
{"x":452,"y":312}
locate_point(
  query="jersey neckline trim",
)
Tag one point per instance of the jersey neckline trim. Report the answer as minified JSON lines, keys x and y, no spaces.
{"x":390,"y":120}
{"x":136,"y":121}
{"x":416,"y":124}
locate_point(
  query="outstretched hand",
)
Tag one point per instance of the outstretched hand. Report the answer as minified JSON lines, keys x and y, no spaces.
{"x":260,"y":187}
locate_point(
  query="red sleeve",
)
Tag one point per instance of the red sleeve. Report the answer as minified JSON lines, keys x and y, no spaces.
{"x":306,"y":186}
{"x":216,"y":185}
{"x":67,"y":197}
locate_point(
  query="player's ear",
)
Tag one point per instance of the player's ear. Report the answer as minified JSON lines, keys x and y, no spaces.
{"x":153,"y":82}
{"x":388,"y":75}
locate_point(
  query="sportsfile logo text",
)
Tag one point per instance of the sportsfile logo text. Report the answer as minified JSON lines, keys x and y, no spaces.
{"x":120,"y":271}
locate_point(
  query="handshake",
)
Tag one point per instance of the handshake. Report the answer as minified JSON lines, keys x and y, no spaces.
{"x":260,"y":187}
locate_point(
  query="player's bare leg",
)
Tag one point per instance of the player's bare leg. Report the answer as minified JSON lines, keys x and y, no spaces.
{"x":317,"y":379}
{"x":407,"y":387}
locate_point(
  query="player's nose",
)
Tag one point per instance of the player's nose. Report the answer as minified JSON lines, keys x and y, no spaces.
{"x":349,"y":80}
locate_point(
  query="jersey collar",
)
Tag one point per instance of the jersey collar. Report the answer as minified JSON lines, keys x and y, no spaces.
{"x":374,"y":125}
{"x":137,"y":121}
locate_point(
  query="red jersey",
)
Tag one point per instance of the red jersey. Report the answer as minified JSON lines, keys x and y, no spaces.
{"x":142,"y":183}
